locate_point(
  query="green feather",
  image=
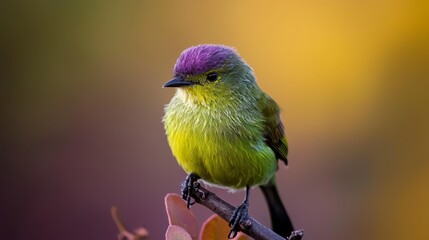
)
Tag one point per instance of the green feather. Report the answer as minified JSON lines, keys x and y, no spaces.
{"x":274,"y":130}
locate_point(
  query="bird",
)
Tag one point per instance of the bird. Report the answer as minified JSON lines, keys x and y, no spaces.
{"x":224,"y":130}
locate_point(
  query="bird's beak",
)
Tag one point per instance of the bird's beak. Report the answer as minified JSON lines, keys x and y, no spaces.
{"x":177,"y":82}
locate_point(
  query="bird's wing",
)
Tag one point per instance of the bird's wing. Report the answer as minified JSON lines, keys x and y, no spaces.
{"x":274,"y":131}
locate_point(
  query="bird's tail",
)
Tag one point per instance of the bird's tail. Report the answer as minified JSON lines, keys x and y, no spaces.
{"x":280,"y":221}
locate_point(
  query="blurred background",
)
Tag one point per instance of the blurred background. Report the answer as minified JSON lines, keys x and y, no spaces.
{"x":81,"y":107}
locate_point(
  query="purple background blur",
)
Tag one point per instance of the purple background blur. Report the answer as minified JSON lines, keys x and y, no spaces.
{"x":82,"y":102}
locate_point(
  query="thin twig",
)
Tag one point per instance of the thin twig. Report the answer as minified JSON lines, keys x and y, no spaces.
{"x":250,"y":226}
{"x":118,"y":221}
{"x":124,"y":234}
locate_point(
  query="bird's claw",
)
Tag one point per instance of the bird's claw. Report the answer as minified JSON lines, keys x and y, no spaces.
{"x":189,"y":187}
{"x":238,"y":216}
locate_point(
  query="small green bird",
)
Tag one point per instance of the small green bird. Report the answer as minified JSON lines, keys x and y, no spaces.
{"x":222,"y":128}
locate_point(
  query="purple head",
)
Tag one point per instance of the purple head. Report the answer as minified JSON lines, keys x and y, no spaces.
{"x":202,"y":58}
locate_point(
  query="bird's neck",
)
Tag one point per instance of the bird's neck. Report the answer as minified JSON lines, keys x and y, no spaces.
{"x":217,"y":99}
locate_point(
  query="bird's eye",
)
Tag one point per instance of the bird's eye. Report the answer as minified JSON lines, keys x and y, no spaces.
{"x":212,"y":76}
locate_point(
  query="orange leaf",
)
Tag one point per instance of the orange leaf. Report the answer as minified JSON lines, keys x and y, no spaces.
{"x":180,"y":215}
{"x":216,"y":228}
{"x":177,"y":233}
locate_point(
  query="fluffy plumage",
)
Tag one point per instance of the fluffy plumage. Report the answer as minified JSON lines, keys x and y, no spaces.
{"x":228,"y":131}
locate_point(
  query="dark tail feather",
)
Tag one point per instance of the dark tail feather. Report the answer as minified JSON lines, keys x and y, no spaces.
{"x":280,"y":220}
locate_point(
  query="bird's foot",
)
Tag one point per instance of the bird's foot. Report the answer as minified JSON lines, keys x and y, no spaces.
{"x":189,"y":187}
{"x":238,"y":216}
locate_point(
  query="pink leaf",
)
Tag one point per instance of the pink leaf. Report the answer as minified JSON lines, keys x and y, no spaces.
{"x":177,"y":233}
{"x":180,"y":215}
{"x":216,"y":228}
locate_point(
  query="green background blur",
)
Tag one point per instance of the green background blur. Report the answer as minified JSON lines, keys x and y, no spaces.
{"x":82,"y":102}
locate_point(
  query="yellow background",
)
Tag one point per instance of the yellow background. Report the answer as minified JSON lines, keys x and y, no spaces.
{"x":82,"y":105}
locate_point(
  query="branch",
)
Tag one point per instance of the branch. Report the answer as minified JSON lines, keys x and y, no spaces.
{"x":250,"y":226}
